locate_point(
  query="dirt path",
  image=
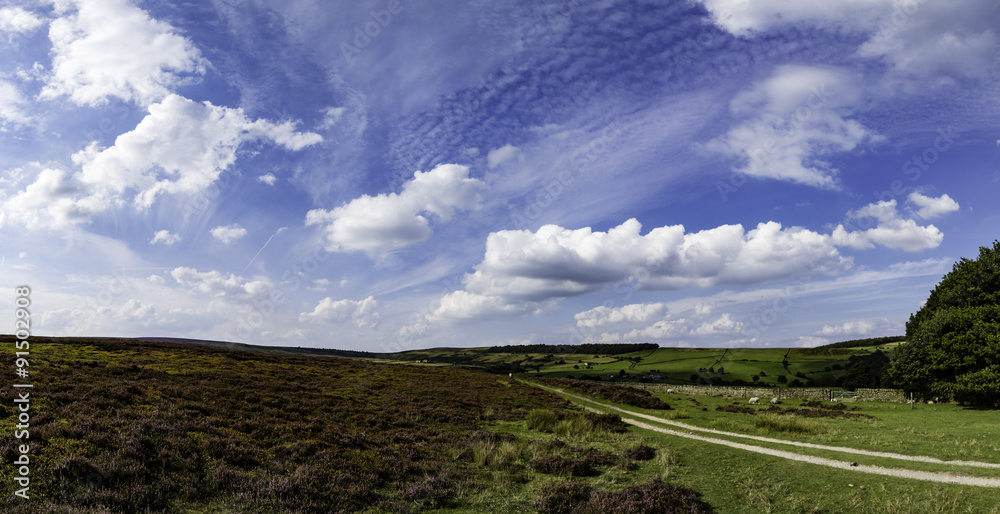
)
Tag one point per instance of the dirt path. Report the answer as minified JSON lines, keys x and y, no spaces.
{"x":942,"y":477}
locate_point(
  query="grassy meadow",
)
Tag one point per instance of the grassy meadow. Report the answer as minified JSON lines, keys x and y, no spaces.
{"x":146,"y":426}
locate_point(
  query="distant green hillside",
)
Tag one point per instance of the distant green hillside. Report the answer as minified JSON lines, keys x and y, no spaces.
{"x":856,"y":343}
{"x":822,"y":366}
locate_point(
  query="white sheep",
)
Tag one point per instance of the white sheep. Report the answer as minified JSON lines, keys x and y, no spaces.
{"x":754,"y":400}
{"x":774,"y":401}
{"x":670,"y":391}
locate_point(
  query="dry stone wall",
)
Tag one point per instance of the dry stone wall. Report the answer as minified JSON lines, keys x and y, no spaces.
{"x":765,"y":393}
{"x":880,"y":395}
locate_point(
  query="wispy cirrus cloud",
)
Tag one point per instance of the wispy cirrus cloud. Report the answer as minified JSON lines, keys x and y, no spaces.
{"x":790,"y":123}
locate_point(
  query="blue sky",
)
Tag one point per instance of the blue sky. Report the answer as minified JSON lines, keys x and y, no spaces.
{"x":391,"y":175}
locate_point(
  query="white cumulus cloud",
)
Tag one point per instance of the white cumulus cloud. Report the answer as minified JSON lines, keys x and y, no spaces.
{"x":524,"y":272}
{"x":229,"y":234}
{"x":267,"y":178}
{"x":17,"y":20}
{"x":216,"y":284}
{"x":632,"y":313}
{"x":930,"y":207}
{"x":362,"y":312}
{"x":180,"y":147}
{"x":663,"y":329}
{"x":915,"y":37}
{"x":865,"y":327}
{"x":165,"y":237}
{"x":890,"y":230}
{"x":555,"y":261}
{"x":389,"y":221}
{"x":723,"y":325}
{"x":522,"y":269}
{"x":463,"y":306}
{"x":105,"y":48}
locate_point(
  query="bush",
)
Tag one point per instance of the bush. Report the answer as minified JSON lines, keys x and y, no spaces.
{"x":641,"y":452}
{"x":599,"y":458}
{"x":563,"y":498}
{"x":431,"y":491}
{"x":562,"y":466}
{"x":739,"y":409}
{"x":609,"y":422}
{"x":615,"y":393}
{"x":835,"y":411}
{"x":654,"y":497}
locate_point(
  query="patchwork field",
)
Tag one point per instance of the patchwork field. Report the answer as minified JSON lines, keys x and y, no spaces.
{"x":673,"y":365}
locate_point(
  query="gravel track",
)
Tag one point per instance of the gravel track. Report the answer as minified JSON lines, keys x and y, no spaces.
{"x":942,"y":477}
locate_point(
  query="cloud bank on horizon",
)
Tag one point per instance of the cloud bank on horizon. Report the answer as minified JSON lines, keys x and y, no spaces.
{"x":387,"y":176}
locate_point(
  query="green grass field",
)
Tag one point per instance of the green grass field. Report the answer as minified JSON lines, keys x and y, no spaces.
{"x":738,"y":481}
{"x":674,"y":365}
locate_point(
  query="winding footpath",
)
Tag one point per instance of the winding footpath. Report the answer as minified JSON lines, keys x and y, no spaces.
{"x":942,"y":477}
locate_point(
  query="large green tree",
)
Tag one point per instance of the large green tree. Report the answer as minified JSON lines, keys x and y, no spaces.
{"x":952,"y":344}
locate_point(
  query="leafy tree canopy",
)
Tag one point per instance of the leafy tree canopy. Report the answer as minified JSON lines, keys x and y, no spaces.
{"x":953,"y":341}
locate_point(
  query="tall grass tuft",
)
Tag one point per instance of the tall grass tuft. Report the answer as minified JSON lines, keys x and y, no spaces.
{"x":542,"y":420}
{"x":667,"y":460}
{"x":497,"y":455}
{"x":731,"y":425}
{"x":787,"y":424}
{"x":574,"y":427}
{"x":757,"y":489}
